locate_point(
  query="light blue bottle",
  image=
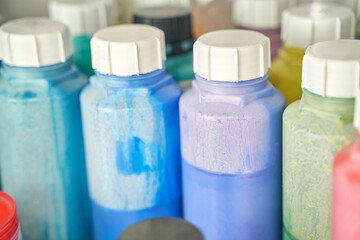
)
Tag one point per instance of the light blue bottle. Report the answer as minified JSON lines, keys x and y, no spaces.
{"x":131,"y":127}
{"x":231,"y":139}
{"x":83,"y":18}
{"x":175,"y":21}
{"x":41,"y":140}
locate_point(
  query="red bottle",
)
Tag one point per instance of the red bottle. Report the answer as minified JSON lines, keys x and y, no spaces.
{"x":346,"y":193}
{"x":9,"y":221}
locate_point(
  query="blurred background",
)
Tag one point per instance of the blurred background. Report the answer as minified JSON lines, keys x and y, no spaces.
{"x":207,"y":15}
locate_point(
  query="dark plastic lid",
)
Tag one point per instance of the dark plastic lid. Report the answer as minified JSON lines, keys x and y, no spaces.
{"x":174,"y":21}
{"x":161,"y":229}
{"x":9,"y":222}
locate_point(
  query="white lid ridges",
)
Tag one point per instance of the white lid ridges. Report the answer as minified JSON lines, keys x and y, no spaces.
{"x":232,"y":55}
{"x":332,"y":68}
{"x":317,"y":22}
{"x":127,"y":50}
{"x":83,"y":17}
{"x":258,"y":14}
{"x":35,"y":42}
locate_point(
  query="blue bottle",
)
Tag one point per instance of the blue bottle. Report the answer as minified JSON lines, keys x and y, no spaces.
{"x":41,"y":140}
{"x":83,"y":18}
{"x":175,"y":21}
{"x":131,"y":127}
{"x":231,"y":139}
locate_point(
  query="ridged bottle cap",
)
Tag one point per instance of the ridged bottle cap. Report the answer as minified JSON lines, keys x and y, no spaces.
{"x":316,"y":22}
{"x":35,"y":42}
{"x":232,"y":55}
{"x":258,"y":14}
{"x":127,"y":50}
{"x":9,"y":221}
{"x":174,"y":21}
{"x":83,"y":17}
{"x":332,"y":68}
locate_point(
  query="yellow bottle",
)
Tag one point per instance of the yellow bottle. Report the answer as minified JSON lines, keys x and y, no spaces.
{"x":301,"y":27}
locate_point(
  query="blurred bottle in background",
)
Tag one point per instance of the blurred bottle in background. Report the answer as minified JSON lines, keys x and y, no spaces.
{"x":176,"y":24}
{"x":261,"y":16}
{"x":210,"y":15}
{"x":302,"y":26}
{"x":83,"y":18}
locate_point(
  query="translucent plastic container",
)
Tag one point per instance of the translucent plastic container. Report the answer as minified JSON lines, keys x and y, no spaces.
{"x":231,"y":139}
{"x":83,"y":18}
{"x":315,"y":129}
{"x":131,"y":126}
{"x":41,"y":150}
{"x":302,"y":26}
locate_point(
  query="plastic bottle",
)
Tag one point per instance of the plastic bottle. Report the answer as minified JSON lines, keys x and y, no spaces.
{"x":83,"y":18}
{"x":301,"y":27}
{"x":176,"y":24}
{"x":131,"y":125}
{"x":210,"y":15}
{"x":231,"y":139}
{"x":346,"y":172}
{"x":315,"y":129}
{"x":355,"y":6}
{"x":161,"y":229}
{"x":9,"y":220}
{"x":261,"y":16}
{"x":41,"y":141}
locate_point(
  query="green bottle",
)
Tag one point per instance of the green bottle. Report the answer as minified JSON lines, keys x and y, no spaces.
{"x":83,"y":18}
{"x":315,"y":128}
{"x":176,"y":23}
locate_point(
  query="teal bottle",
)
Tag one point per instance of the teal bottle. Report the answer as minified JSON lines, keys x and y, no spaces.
{"x":41,"y":139}
{"x":176,"y":24}
{"x":83,"y":18}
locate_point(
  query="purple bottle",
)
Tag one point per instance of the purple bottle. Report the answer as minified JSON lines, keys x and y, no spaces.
{"x":261,"y":16}
{"x":230,"y":124}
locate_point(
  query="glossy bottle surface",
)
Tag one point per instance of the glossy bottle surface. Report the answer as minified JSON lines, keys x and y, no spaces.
{"x":131,"y":129}
{"x":82,"y":54}
{"x":285,"y":73}
{"x":41,"y":151}
{"x":346,"y":193}
{"x":315,"y":129}
{"x":231,"y":149}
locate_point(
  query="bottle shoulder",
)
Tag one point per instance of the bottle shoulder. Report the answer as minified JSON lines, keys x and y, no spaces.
{"x":196,"y":101}
{"x":101,"y":94}
{"x":317,"y":124}
{"x":54,"y":86}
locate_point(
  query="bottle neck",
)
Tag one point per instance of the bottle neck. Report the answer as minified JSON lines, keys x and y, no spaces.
{"x":339,"y":108}
{"x":51,"y":71}
{"x":136,"y":81}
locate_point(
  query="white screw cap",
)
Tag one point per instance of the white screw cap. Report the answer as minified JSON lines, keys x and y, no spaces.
{"x":332,"y":68}
{"x":258,"y":14}
{"x":127,"y":50}
{"x":83,"y":17}
{"x":317,"y":22}
{"x":35,"y":42}
{"x":232,"y":55}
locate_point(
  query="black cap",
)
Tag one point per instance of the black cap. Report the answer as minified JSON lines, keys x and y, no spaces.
{"x":174,"y":21}
{"x":161,"y":229}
